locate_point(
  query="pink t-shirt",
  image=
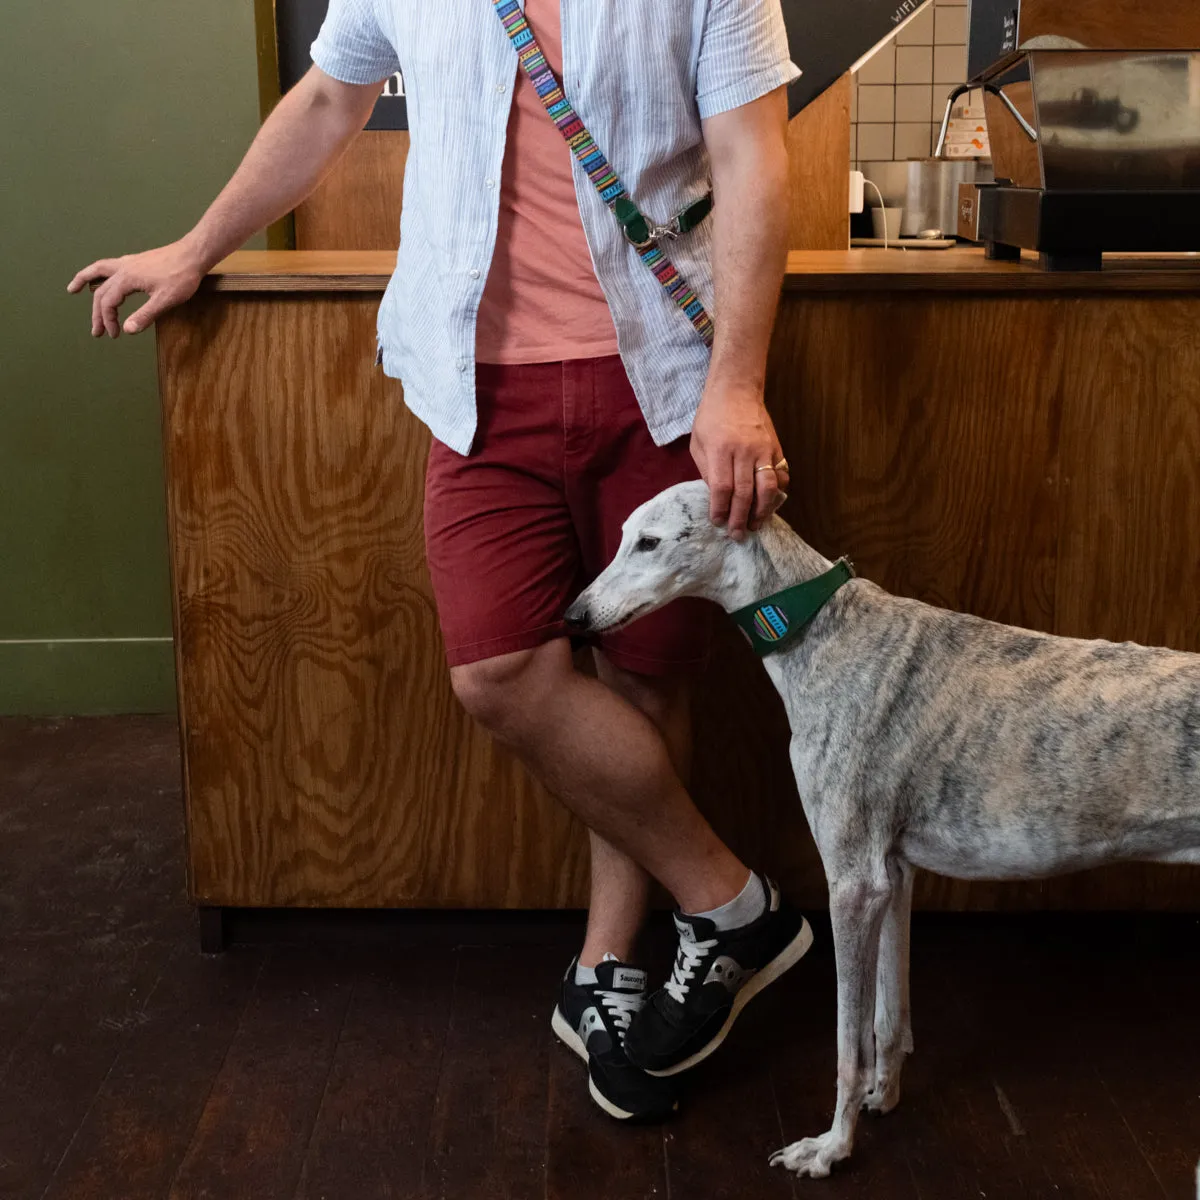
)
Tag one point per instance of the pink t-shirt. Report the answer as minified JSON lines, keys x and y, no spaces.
{"x":542,"y":302}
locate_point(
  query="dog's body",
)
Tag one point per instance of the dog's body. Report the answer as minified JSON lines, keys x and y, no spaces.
{"x":925,"y":738}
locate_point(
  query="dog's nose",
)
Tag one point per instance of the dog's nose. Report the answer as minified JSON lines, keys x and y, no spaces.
{"x":578,"y":618}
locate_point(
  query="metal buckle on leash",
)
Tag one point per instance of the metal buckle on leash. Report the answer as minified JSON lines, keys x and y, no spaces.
{"x":654,"y":234}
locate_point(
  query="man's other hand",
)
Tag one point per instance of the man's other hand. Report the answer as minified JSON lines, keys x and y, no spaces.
{"x":732,"y":434}
{"x":168,"y":276}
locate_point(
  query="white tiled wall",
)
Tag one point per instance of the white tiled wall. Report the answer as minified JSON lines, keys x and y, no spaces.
{"x":900,"y":93}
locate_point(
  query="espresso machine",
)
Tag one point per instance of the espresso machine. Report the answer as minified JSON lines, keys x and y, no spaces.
{"x":1093,"y":115}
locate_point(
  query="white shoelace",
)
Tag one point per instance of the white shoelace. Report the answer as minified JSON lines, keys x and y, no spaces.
{"x":622,"y":1006}
{"x":690,"y":956}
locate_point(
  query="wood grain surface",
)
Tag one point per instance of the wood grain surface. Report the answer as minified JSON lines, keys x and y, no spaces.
{"x":1024,"y":457}
{"x":357,"y":205}
{"x":1114,"y":24}
{"x":819,"y":171}
{"x":807,"y":271}
{"x":1027,"y":459}
{"x":326,"y":760}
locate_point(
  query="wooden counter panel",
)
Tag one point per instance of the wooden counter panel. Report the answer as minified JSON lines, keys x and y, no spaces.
{"x":1130,"y":511}
{"x":303,"y":271}
{"x":933,"y":461}
{"x":326,"y":760}
{"x":357,"y":205}
{"x":1029,"y":459}
{"x":818,"y":156}
{"x":968,"y":270}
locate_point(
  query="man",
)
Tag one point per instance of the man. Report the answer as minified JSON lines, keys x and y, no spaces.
{"x":561,"y":384}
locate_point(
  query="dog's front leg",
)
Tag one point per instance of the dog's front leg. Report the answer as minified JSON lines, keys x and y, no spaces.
{"x":856,"y":907}
{"x":893,"y":1025}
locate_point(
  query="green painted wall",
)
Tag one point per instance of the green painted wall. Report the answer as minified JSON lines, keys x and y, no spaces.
{"x":119,"y":121}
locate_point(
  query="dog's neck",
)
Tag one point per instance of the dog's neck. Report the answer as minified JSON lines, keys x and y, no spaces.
{"x":768,"y":561}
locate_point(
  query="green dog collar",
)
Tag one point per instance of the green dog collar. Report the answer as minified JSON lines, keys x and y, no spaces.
{"x":772,"y":623}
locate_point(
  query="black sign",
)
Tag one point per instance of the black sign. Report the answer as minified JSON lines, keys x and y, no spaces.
{"x":828,"y":37}
{"x":993,"y":34}
{"x":297,"y":23}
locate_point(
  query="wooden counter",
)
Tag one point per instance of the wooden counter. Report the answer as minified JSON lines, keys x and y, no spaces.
{"x":981,"y":435}
{"x":807,"y":270}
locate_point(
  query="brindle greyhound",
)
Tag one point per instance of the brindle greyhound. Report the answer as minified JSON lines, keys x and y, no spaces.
{"x":926,"y":738}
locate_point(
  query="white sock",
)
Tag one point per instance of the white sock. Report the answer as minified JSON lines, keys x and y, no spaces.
{"x":748,"y":905}
{"x":588,"y":974}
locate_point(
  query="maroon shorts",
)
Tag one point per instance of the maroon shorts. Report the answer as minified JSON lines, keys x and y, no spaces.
{"x":514,"y":531}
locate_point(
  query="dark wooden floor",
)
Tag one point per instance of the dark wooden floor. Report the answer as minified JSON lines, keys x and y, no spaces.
{"x":411,"y":1057}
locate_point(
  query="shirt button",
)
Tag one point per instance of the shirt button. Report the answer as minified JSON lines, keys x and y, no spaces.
{"x":462,"y":364}
{"x":500,"y":89}
{"x":490,"y":182}
{"x":474,"y":273}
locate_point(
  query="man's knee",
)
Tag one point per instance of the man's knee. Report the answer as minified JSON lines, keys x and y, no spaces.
{"x":500,"y":692}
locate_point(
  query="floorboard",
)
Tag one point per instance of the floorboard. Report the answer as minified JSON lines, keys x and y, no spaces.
{"x":362,"y":1056}
{"x":957,"y":1127}
{"x":1045,"y":1032}
{"x":589,"y":1156}
{"x":488,"y":1134}
{"x":254,"y":1130}
{"x":1146,"y":1046}
{"x":55,"y":1072}
{"x":371,"y":1132}
{"x":142,"y":1119}
{"x":730,"y":1111}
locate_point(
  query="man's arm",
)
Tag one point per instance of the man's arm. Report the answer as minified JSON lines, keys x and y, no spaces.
{"x":733,"y":433}
{"x":310,"y":127}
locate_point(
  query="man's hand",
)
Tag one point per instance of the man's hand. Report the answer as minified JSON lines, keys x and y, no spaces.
{"x":732,"y":435}
{"x":169,"y":276}
{"x":309,"y":128}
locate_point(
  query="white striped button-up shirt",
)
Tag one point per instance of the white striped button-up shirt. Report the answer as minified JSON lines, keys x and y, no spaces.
{"x":642,"y":74}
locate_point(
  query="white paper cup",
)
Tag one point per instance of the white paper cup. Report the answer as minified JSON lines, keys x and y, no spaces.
{"x":892,"y":218}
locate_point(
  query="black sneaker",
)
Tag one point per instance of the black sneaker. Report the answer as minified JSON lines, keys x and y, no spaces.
{"x":592,"y":1019}
{"x":717,"y":973}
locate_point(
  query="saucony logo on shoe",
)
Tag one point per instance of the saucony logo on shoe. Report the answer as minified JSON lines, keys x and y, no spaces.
{"x":727,"y":972}
{"x":629,"y":977}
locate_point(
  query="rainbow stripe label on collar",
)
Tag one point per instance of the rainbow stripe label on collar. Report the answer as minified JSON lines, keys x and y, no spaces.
{"x":770,"y":622}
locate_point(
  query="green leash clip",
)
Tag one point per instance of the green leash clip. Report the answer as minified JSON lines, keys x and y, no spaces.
{"x":776,"y":621}
{"x":641,"y":233}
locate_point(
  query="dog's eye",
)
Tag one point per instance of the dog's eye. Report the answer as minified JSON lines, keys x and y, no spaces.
{"x":646,"y":543}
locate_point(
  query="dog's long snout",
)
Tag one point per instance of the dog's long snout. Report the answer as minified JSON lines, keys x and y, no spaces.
{"x":578,"y":617}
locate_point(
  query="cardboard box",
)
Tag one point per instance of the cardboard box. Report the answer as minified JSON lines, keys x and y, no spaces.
{"x":968,"y":212}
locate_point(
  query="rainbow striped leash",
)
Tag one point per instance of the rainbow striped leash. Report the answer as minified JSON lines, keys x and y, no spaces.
{"x":644,"y":236}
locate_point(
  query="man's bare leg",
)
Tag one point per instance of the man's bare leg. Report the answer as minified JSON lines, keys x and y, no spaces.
{"x":617,"y":903}
{"x":620,"y":889}
{"x":608,"y":762}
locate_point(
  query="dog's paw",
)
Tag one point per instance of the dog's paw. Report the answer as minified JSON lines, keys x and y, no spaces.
{"x":883,"y":1096}
{"x":811,"y":1156}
